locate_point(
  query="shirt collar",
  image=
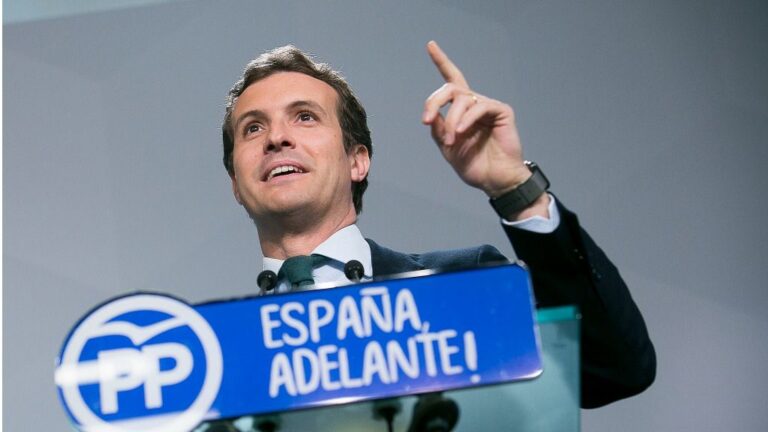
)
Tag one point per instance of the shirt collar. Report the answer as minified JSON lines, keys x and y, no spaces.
{"x":344,"y":245}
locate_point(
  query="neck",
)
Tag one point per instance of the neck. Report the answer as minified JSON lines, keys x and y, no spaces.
{"x":287,"y":237}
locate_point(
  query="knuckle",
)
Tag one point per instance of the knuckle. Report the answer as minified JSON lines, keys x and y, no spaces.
{"x":508,"y":108}
{"x":430,"y":103}
{"x":449,"y":87}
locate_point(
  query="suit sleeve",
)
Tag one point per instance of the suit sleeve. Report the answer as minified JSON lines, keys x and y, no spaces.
{"x":567,"y":267}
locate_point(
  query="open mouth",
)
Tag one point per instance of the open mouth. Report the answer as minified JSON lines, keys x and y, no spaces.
{"x":283,"y":170}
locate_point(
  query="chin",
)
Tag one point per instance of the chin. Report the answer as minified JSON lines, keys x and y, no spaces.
{"x":281,"y":209}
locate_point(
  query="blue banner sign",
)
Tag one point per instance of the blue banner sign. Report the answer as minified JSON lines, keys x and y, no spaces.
{"x":148,"y":362}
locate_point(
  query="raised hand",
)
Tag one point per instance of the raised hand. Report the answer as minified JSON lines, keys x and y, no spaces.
{"x":477,"y":135}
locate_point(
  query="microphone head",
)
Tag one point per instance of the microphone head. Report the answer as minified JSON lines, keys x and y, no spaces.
{"x":353,"y":270}
{"x":433,"y":412}
{"x":266,"y":280}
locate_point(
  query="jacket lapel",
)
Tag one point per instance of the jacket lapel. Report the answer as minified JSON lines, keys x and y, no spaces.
{"x":386,"y":261}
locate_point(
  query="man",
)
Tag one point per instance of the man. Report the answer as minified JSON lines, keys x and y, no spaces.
{"x":298,"y":150}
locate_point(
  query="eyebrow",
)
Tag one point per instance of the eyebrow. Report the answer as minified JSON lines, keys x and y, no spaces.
{"x":259,"y":114}
{"x":308,"y":104}
{"x":248,"y":114}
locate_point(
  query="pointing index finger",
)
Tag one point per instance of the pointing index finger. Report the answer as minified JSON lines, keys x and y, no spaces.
{"x":448,"y":70}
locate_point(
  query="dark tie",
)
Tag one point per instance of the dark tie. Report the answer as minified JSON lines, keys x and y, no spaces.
{"x":298,"y":269}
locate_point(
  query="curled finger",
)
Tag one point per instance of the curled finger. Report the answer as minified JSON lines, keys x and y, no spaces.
{"x":460,"y":105}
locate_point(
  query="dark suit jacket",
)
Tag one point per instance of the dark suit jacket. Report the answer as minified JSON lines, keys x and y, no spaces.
{"x":567,"y":268}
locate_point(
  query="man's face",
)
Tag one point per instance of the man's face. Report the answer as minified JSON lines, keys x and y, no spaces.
{"x":288,"y":156}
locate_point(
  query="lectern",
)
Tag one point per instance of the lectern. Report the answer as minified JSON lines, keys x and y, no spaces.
{"x":460,"y":350}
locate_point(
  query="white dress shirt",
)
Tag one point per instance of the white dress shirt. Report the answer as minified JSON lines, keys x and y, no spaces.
{"x":345,"y":245}
{"x":539,"y":224}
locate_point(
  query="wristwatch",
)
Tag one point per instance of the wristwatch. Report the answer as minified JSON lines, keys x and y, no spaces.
{"x":521,"y":197}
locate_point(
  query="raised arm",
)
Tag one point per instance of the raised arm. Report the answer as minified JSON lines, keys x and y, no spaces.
{"x":479,"y":138}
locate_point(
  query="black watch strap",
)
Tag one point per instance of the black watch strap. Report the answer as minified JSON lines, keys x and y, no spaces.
{"x":521,"y":197}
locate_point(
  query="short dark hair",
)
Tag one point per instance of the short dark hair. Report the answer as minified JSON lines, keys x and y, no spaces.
{"x":351,"y":114}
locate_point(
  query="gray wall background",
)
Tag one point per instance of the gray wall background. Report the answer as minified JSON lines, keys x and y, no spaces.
{"x":650,"y":118}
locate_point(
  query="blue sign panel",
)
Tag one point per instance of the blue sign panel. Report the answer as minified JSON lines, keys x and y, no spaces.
{"x":149,"y":362}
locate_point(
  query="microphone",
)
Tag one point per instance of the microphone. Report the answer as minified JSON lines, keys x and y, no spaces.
{"x":268,"y":423}
{"x":387,"y":409}
{"x":353,"y":270}
{"x":434,"y":413}
{"x":221,"y":426}
{"x":266,"y":280}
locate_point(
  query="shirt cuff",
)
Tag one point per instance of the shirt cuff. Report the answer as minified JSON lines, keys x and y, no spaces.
{"x":538,"y":224}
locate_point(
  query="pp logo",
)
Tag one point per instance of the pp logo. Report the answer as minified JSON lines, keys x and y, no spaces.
{"x":145,"y":363}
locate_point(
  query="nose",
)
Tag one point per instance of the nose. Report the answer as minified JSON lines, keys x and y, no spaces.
{"x":279,"y":137}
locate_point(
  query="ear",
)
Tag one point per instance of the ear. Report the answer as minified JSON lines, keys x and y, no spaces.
{"x":235,"y":191}
{"x":359,"y":162}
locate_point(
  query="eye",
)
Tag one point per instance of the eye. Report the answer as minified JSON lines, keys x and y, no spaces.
{"x":306,"y":116}
{"x":252,"y":128}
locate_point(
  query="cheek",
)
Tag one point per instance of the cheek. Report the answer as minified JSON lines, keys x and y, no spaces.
{"x":237,"y":157}
{"x":244,"y":162}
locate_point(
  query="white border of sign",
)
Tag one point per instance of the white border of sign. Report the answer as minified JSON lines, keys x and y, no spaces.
{"x":181,"y":422}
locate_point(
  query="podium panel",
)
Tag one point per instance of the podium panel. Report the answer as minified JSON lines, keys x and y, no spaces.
{"x":410,"y":353}
{"x":547,"y":403}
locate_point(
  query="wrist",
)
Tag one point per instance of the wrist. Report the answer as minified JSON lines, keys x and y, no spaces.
{"x":540,"y":207}
{"x":525,"y":199}
{"x":512,"y":181}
